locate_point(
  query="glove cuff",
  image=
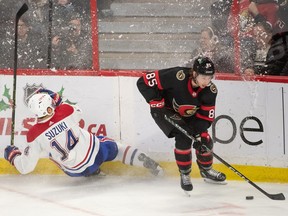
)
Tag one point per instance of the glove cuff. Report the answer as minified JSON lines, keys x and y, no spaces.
{"x":13,"y":155}
{"x":206,"y":136}
{"x":157,"y":103}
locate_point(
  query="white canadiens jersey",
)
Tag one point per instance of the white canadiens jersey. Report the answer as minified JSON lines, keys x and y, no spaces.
{"x":68,"y":145}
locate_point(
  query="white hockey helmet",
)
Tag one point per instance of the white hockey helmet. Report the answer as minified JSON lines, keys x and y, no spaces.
{"x":39,"y":103}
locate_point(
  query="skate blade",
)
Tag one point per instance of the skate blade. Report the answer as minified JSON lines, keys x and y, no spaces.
{"x":158,"y":173}
{"x":161,"y":173}
{"x":210,"y":181}
{"x":187,"y":193}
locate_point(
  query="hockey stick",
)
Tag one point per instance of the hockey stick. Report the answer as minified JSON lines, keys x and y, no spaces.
{"x":49,"y":50}
{"x":279,"y":196}
{"x":20,"y":12}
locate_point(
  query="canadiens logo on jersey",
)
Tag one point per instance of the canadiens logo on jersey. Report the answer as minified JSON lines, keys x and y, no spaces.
{"x":180,"y":75}
{"x":184,"y":110}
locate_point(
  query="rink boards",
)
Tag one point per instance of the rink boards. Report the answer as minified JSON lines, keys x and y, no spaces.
{"x":250,"y":128}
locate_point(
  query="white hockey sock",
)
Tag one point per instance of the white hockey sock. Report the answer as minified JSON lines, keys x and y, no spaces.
{"x":129,"y":155}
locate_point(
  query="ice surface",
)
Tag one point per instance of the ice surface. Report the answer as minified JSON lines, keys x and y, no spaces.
{"x":133,"y":196}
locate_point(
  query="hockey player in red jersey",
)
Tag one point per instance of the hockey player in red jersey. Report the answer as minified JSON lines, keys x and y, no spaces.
{"x":189,"y":96}
{"x":76,"y":151}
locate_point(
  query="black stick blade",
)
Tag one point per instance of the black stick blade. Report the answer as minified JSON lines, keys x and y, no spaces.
{"x":279,"y":196}
{"x":22,"y":10}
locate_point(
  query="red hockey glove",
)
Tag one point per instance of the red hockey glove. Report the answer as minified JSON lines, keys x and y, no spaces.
{"x":11,"y":152}
{"x":201,"y":140}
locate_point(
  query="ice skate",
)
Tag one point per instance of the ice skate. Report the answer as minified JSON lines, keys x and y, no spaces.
{"x":150,"y":164}
{"x":186,"y":183}
{"x":213,"y":176}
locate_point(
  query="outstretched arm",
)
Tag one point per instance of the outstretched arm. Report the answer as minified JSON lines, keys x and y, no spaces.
{"x":26,"y":161}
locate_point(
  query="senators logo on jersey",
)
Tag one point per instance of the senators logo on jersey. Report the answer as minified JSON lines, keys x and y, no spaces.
{"x":184,"y":110}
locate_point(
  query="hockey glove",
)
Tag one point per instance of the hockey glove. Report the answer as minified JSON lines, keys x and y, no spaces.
{"x":158,"y":104}
{"x":11,"y":152}
{"x":202,"y":141}
{"x":157,"y":108}
{"x":54,"y":95}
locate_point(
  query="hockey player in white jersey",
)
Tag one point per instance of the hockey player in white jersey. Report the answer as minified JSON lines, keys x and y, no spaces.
{"x":76,"y":151}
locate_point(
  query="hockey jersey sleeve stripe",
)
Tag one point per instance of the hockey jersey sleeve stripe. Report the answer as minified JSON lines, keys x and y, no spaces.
{"x":204,"y":117}
{"x":158,"y":80}
{"x":207,"y":108}
{"x":152,"y":78}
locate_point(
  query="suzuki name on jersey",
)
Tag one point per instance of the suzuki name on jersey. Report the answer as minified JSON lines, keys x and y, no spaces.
{"x":53,"y":132}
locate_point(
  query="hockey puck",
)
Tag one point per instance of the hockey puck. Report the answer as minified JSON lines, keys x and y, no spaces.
{"x":249,"y":197}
